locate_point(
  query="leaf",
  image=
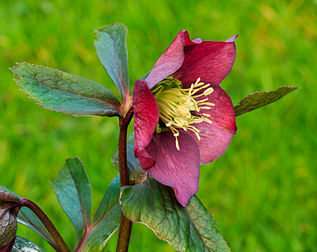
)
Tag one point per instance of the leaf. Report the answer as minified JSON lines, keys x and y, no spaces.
{"x":111,"y":48}
{"x":73,"y":191}
{"x":8,"y":224}
{"x":107,"y":219}
{"x":9,"y":208}
{"x":8,"y":246}
{"x":260,"y":99}
{"x":6,"y":196}
{"x":29,"y":219}
{"x":186,"y":229}
{"x":64,"y":92}
{"x":136,"y":174}
{"x":22,"y":245}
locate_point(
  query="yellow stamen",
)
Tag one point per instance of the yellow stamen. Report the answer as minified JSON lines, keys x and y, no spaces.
{"x":180,"y":108}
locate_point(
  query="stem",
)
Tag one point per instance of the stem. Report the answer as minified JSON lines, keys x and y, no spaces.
{"x":125,"y":224}
{"x":60,"y":243}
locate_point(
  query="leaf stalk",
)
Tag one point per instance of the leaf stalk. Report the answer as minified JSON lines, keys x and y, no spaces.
{"x":60,"y":243}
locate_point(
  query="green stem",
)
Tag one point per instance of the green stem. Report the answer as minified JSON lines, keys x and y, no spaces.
{"x":125,"y":224}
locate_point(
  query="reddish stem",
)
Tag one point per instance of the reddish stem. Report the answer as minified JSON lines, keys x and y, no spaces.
{"x":60,"y":243}
{"x":125,"y":224}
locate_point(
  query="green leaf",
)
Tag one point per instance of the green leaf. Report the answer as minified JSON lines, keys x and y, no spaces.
{"x":64,"y":92}
{"x":112,"y":51}
{"x":29,"y":219}
{"x":107,"y":219}
{"x":22,"y":245}
{"x":136,"y":174}
{"x":73,"y":191}
{"x":260,"y":99}
{"x":189,"y":228}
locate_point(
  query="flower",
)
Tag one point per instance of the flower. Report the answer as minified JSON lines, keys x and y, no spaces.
{"x":182,"y":117}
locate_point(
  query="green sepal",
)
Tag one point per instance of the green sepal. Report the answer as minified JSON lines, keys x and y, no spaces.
{"x":260,"y":99}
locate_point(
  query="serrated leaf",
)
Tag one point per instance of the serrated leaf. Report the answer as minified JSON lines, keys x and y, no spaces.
{"x":260,"y":99}
{"x":29,"y":219}
{"x":136,"y":174}
{"x":64,"y":92}
{"x":73,"y":192}
{"x":112,"y":51}
{"x":107,"y":219}
{"x":189,"y":228}
{"x":24,"y":245}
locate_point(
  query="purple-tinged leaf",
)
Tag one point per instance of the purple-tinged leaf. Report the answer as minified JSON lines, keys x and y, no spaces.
{"x":260,"y":99}
{"x":29,"y":219}
{"x":64,"y":92}
{"x":189,"y":228}
{"x":73,"y":191}
{"x":8,"y":246}
{"x":112,"y":51}
{"x":9,"y":209}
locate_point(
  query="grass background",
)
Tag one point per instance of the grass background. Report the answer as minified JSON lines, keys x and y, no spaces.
{"x":262,"y":191}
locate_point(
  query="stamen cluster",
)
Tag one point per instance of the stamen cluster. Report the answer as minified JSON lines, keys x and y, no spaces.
{"x":179,"y":107}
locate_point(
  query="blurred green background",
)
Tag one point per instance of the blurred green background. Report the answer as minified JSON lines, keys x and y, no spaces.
{"x":262,"y":191}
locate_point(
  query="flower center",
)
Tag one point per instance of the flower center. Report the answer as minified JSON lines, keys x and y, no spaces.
{"x":179,"y":107}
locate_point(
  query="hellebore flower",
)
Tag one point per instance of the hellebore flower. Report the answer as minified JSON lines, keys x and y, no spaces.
{"x":182,"y":117}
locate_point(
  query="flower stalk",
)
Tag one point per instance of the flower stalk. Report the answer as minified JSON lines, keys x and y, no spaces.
{"x":125,"y":224}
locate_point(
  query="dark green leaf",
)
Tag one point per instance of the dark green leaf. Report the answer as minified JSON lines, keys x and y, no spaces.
{"x":64,"y":92}
{"x":260,"y":99}
{"x":187,"y":229}
{"x":73,"y":191}
{"x":112,"y":51}
{"x":136,"y":174}
{"x":107,"y":219}
{"x":24,"y":245}
{"x":29,"y":219}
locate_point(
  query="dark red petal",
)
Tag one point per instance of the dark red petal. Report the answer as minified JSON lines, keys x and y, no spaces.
{"x":176,"y":168}
{"x":211,"y":61}
{"x":146,"y":116}
{"x":171,"y":60}
{"x":216,"y":137}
